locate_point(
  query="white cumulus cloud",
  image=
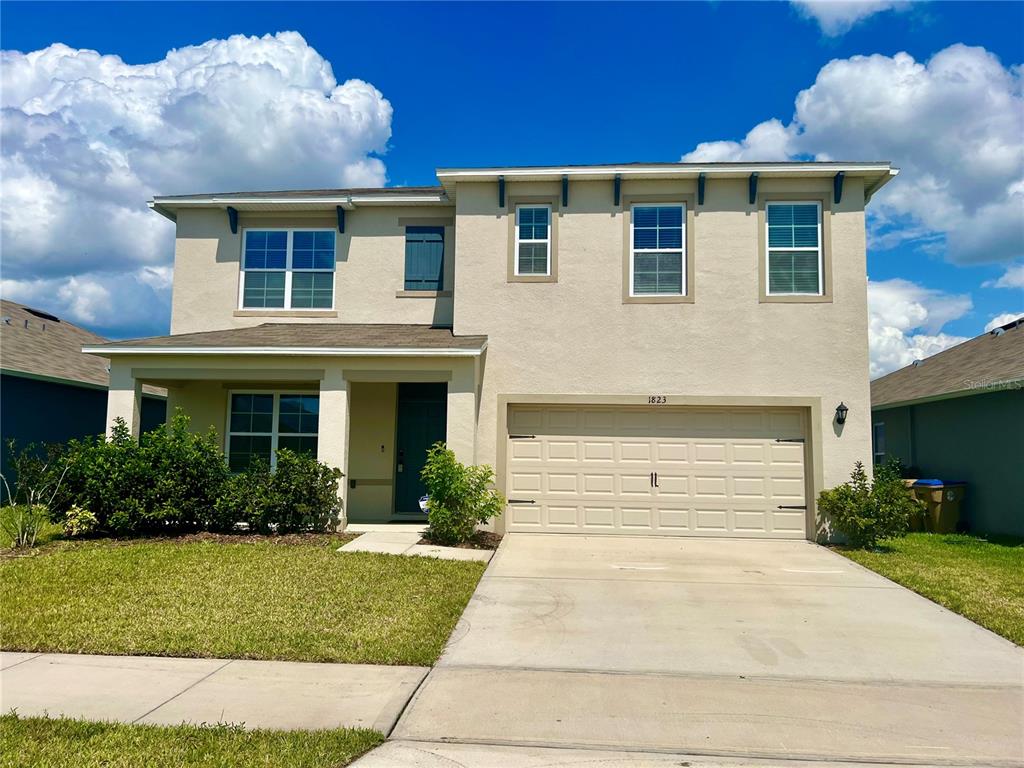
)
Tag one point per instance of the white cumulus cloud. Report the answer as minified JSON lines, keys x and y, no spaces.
{"x":88,"y":138}
{"x":1003,"y":319}
{"x":906,"y":321}
{"x":837,"y":16}
{"x":1013,"y":277}
{"x":954,"y":125}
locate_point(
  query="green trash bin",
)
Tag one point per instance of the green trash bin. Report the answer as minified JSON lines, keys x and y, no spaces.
{"x":942,"y":501}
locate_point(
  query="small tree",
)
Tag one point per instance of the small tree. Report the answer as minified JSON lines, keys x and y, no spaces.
{"x":866,"y":513}
{"x":37,"y":479}
{"x":460,"y":497}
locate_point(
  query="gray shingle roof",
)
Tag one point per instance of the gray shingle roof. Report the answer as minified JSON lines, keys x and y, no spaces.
{"x":315,"y":335}
{"x":984,"y":364}
{"x":44,"y":347}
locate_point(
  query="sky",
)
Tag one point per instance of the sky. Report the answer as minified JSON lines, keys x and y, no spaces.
{"x":105,"y":105}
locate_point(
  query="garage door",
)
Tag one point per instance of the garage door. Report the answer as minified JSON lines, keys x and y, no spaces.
{"x":735,"y":472}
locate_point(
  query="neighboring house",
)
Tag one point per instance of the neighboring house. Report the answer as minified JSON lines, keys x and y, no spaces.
{"x":49,"y":391}
{"x":636,"y":349}
{"x":959,"y":415}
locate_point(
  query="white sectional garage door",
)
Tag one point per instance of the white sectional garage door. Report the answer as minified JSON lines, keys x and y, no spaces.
{"x":736,"y":472}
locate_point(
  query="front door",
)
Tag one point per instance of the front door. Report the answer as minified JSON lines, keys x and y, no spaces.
{"x":422,"y":421}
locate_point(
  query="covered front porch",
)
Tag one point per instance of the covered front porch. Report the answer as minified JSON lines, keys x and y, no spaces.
{"x":369,"y":400}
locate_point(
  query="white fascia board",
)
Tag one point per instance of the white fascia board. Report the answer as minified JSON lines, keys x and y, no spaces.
{"x":348,"y":201}
{"x":799,"y":169}
{"x":290,"y":351}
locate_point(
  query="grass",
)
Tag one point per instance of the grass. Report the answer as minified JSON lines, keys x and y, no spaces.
{"x":298,"y":601}
{"x":978,"y":578}
{"x":64,"y":743}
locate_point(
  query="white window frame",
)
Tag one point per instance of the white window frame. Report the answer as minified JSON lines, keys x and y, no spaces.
{"x":878,"y":457}
{"x":768,"y":249}
{"x":288,"y":270}
{"x":274,"y":434}
{"x":633,"y":251}
{"x":546,"y":242}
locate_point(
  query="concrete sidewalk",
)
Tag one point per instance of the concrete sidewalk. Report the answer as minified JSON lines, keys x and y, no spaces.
{"x":167,"y":691}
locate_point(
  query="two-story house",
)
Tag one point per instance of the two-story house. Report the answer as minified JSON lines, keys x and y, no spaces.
{"x":643,"y":349}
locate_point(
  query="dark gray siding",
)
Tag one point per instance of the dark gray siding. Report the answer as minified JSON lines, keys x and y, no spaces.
{"x":979,"y":439}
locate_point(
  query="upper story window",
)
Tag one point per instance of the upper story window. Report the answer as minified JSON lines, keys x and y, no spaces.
{"x":794,"y":255}
{"x":424,"y":258}
{"x":658,"y":254}
{"x":287,"y":269}
{"x":533,"y":240}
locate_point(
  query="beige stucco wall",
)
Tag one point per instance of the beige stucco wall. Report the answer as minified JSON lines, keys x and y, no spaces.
{"x":370,"y":269}
{"x":577,"y":336}
{"x":372,"y":460}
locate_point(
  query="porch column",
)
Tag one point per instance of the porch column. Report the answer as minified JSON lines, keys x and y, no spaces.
{"x":124,"y":397}
{"x":461,"y":428}
{"x":332,"y":441}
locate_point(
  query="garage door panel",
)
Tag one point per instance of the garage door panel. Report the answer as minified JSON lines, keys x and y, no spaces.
{"x":720,"y":472}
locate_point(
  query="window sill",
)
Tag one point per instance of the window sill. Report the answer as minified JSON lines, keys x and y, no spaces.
{"x":423,"y":294}
{"x":797,"y":299}
{"x":657,"y":299}
{"x":532,"y":279}
{"x":285,"y":313}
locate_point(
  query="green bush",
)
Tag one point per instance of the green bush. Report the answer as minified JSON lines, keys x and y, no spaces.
{"x":22,"y":523}
{"x":167,"y":482}
{"x":864,"y":512}
{"x":460,"y":497}
{"x":38,"y":475}
{"x":301,"y":494}
{"x":79,"y":521}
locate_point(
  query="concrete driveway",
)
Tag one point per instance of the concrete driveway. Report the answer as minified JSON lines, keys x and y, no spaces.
{"x":753,"y":650}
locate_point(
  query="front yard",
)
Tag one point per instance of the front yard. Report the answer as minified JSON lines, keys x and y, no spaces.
{"x":64,"y":743}
{"x":978,"y":578}
{"x":286,"y":598}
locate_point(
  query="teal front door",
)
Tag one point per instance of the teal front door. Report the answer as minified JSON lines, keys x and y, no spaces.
{"x":422,"y":421}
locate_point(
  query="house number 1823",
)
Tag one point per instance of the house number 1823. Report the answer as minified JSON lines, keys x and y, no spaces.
{"x":657,"y":399}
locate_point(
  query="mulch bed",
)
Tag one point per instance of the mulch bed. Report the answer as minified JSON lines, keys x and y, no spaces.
{"x":480,"y":540}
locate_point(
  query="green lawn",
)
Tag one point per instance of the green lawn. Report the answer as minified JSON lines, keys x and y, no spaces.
{"x":63,"y":743}
{"x":978,"y":578}
{"x":246,"y":600}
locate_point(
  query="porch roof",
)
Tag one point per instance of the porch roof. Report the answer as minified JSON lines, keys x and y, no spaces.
{"x":326,"y":339}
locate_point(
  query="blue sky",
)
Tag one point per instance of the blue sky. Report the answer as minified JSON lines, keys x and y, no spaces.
{"x":505,"y":84}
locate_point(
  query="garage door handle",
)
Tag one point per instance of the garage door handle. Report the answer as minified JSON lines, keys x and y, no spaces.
{"x":521,"y":437}
{"x":792,"y":506}
{"x":789,"y":440}
{"x":521,"y":501}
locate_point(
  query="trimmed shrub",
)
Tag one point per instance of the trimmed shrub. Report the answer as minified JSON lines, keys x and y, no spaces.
{"x":864,"y":512}
{"x":169,"y":481}
{"x":301,"y":494}
{"x":460,"y":497}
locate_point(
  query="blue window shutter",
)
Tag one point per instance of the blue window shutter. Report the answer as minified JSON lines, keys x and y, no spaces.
{"x":424,"y":258}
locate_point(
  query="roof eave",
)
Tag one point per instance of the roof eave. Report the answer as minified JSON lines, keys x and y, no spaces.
{"x":1003,"y":386}
{"x":109,"y":350}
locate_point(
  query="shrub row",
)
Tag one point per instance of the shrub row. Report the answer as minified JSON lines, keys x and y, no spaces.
{"x":173,"y":480}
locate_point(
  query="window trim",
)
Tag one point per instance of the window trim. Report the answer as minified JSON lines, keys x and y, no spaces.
{"x":819,"y":249}
{"x":511,"y":212}
{"x":534,"y":241}
{"x":274,"y":433}
{"x":633,"y":251}
{"x":686,"y":198}
{"x":288,"y":271}
{"x":824,"y":201}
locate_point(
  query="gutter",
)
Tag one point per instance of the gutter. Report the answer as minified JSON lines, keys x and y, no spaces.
{"x":291,"y":351}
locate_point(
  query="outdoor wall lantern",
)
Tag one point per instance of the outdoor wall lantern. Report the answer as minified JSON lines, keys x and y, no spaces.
{"x":841,"y":411}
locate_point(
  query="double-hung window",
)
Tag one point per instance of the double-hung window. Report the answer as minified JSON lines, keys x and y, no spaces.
{"x":794,"y":248}
{"x":424,"y":258}
{"x":533,"y":240}
{"x":260,"y":423}
{"x":287,"y":269}
{"x":658,"y":251}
